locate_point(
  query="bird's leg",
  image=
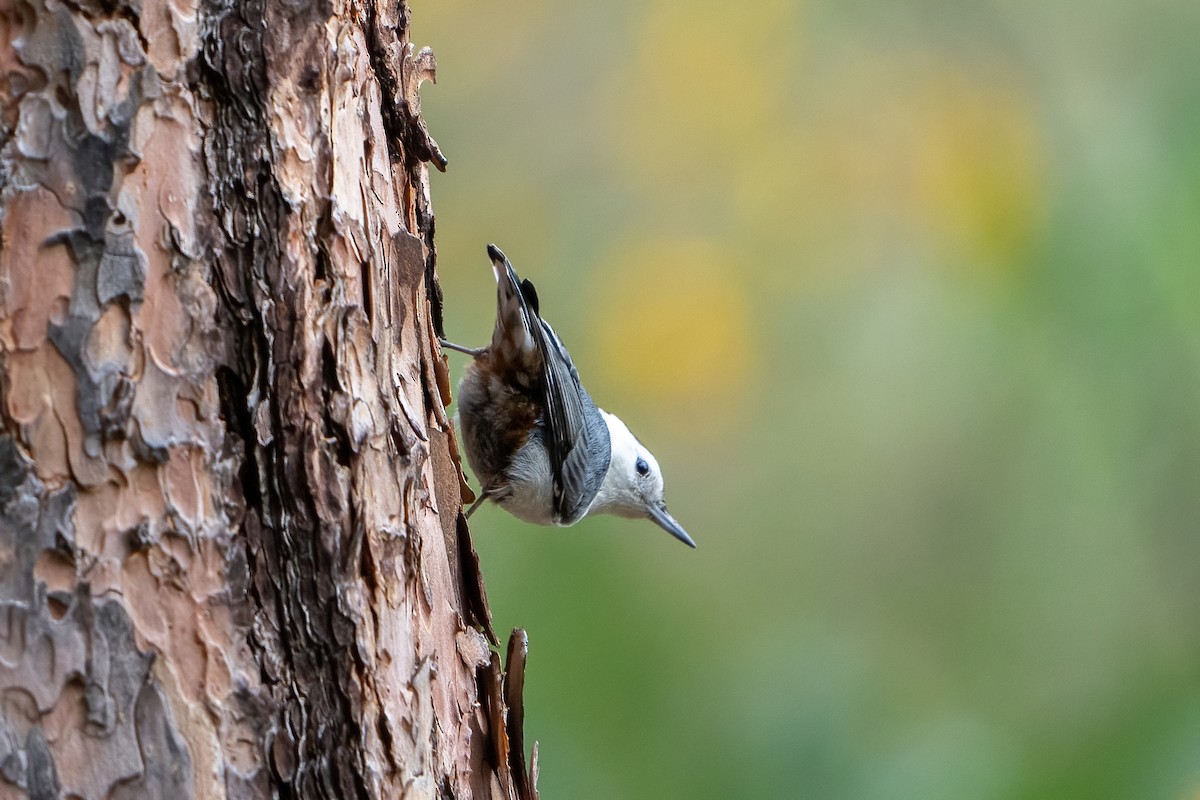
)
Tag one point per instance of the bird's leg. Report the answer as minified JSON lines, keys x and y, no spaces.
{"x":471,"y":351}
{"x":482,"y":496}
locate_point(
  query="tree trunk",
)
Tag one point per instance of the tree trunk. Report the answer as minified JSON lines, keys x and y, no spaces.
{"x":232,"y":555}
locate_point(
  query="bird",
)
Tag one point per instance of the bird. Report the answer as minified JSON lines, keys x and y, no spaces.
{"x":536,"y":441}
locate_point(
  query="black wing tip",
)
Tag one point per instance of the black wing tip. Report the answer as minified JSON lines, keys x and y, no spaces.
{"x":530,"y":295}
{"x":496,"y":254}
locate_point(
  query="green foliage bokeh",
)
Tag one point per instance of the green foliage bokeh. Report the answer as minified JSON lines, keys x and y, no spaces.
{"x":906,"y":299}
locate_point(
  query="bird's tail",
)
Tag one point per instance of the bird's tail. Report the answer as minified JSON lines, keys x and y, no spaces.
{"x":513,"y":341}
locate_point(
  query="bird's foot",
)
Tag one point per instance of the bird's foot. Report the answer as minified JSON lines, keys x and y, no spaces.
{"x":471,"y":351}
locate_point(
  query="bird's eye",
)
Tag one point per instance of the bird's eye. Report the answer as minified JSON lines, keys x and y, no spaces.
{"x":642,"y":467}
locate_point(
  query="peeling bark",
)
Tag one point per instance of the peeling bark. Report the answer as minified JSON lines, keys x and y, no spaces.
{"x":233,"y":561}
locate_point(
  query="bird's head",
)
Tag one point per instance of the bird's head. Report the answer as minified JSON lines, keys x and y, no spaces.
{"x":633,"y":486}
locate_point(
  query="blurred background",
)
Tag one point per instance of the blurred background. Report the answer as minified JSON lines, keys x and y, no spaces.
{"x":905,"y":297}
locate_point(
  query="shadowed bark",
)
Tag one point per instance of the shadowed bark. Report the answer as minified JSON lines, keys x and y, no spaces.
{"x":232,"y":556}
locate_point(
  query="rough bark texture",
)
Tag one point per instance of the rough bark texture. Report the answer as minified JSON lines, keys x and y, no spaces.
{"x":232,"y":555}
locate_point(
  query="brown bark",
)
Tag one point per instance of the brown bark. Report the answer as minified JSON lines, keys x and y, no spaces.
{"x":232,"y":555}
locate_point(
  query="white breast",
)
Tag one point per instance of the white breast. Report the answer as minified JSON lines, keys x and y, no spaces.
{"x":531,"y":486}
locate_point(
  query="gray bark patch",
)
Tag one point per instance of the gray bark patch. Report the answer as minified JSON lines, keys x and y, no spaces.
{"x":130,"y":738}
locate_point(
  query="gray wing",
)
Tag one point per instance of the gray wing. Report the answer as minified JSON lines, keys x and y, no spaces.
{"x":574,"y":434}
{"x":576,"y":437}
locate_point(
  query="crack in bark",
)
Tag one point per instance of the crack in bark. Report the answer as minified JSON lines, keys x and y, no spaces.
{"x":296,"y":582}
{"x":403,"y":123}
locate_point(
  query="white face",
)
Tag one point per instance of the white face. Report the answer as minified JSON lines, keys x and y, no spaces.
{"x":642,"y":477}
{"x":633,"y":486}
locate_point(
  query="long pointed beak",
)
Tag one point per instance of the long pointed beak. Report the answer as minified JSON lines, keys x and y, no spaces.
{"x":667,"y":523}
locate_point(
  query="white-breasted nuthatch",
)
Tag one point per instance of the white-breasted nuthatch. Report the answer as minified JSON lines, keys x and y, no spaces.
{"x":536,"y":441}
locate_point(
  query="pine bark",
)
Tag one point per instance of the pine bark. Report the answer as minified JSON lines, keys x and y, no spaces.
{"x":233,"y":561}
